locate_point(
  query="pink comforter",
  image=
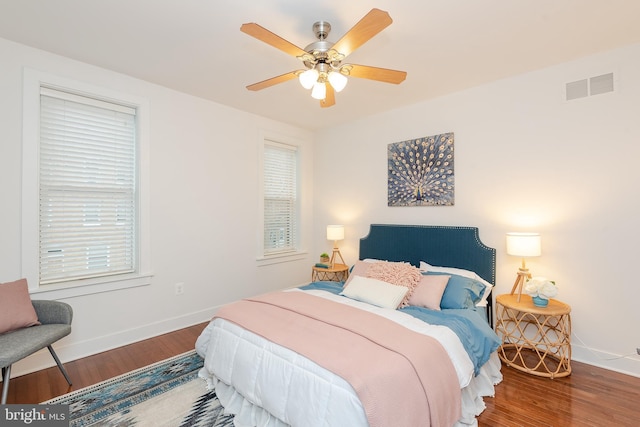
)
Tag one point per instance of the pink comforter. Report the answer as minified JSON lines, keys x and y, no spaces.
{"x":402,"y":378}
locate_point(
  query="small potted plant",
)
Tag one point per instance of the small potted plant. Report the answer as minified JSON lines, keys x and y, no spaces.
{"x":541,"y":289}
{"x":324,"y":257}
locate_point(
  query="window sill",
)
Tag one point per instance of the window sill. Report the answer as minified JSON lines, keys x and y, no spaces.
{"x":280,"y":258}
{"x":91,"y":286}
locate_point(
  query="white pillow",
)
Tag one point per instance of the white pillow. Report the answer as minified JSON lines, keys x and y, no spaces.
{"x":376,"y":292}
{"x":424,"y":266}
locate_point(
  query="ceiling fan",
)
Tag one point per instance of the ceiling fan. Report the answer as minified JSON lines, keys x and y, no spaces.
{"x":325,"y":71}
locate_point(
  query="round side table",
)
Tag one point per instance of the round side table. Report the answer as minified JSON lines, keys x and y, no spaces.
{"x":535,"y":340}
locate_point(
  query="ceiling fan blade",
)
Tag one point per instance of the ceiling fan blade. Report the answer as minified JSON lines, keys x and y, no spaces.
{"x":262,"y":34}
{"x":370,"y":25}
{"x":380,"y":74}
{"x":273,"y":81}
{"x":329,"y":98}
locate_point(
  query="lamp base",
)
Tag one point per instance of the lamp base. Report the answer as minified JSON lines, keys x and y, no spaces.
{"x":523,"y":275}
{"x":334,"y":258}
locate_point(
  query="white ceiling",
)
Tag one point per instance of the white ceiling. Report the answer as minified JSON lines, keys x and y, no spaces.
{"x":195,"y":46}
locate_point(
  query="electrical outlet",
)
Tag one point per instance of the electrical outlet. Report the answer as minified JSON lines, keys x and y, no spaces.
{"x":179,"y":288}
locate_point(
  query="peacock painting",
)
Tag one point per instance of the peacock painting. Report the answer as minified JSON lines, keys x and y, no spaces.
{"x":421,"y":171}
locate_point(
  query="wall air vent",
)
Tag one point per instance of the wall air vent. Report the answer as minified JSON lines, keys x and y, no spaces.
{"x":588,"y":87}
{"x":601,"y":84}
{"x":578,"y":89}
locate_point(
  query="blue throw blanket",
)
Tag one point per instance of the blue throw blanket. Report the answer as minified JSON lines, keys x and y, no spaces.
{"x":477,"y":337}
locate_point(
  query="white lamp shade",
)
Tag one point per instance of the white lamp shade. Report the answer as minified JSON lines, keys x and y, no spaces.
{"x":524,"y":244}
{"x":335,"y":232}
{"x":308,"y":78}
{"x":319,"y":91}
{"x":337,"y":80}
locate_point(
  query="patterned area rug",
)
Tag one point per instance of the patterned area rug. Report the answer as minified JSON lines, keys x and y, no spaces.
{"x":168,"y":393}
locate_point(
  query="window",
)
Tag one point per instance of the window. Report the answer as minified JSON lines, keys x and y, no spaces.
{"x":85,"y":198}
{"x":280,"y":192}
{"x":88,"y":206}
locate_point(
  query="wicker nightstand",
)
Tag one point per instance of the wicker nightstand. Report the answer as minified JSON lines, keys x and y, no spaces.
{"x":337,"y":273}
{"x":536,"y":340}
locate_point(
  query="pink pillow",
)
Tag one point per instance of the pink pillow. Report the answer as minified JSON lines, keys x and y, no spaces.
{"x":16,"y":310}
{"x":429,"y":291}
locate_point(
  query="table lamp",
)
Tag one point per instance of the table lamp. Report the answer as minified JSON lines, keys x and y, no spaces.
{"x":523,"y":245}
{"x":335,"y":233}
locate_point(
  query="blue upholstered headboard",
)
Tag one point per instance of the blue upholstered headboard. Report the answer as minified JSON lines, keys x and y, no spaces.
{"x":447,"y":246}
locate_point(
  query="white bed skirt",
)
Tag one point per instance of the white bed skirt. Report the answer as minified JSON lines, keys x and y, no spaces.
{"x":240,"y":365}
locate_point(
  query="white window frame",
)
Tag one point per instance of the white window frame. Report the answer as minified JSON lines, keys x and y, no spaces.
{"x":303,"y":211}
{"x":32,"y":82}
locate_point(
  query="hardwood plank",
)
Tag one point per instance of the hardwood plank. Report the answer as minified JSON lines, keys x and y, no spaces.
{"x":589,"y":397}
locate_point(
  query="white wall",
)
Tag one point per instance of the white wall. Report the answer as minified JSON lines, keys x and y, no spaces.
{"x":525,"y":160}
{"x":204,"y":219}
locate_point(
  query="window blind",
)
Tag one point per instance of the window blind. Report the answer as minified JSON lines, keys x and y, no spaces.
{"x":88,"y":207}
{"x":280,"y":198}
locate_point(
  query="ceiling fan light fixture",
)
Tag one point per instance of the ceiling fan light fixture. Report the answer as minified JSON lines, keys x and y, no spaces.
{"x":323,"y":72}
{"x":319,"y":91}
{"x":337,"y":80}
{"x":308,"y":78}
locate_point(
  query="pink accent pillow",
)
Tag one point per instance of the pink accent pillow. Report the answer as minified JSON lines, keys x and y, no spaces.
{"x":397,"y":273}
{"x":429,"y":291}
{"x":16,"y":310}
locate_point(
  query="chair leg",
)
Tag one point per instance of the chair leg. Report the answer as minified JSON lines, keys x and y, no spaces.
{"x":6,"y":374}
{"x":55,"y":357}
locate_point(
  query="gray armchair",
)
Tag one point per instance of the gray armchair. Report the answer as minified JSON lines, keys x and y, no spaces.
{"x":55,"y":317}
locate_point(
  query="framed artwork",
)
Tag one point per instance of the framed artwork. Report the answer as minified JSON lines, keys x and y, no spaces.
{"x":421,"y":171}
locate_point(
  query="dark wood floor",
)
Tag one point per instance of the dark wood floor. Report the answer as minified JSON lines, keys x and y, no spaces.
{"x":590,"y":396}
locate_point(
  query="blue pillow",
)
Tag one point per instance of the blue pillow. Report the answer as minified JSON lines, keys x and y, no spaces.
{"x":461,"y":292}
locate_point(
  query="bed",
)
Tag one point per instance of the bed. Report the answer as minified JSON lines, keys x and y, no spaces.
{"x":342,"y":376}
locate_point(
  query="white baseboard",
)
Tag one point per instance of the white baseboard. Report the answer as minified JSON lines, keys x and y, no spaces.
{"x":68,"y":351}
{"x":625,"y":364}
